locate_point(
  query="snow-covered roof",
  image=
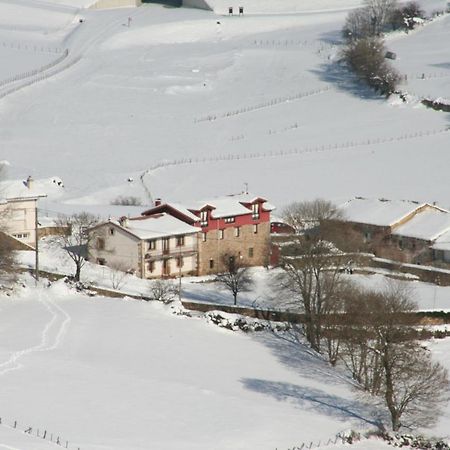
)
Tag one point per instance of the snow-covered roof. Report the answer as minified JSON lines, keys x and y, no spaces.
{"x":428,"y":224}
{"x":378,"y":212}
{"x":230,"y":205}
{"x":157,"y":226}
{"x":184,"y":210}
{"x":442,"y":242}
{"x":18,"y":189}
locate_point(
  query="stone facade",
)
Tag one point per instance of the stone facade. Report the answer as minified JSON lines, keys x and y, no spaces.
{"x":251,"y":248}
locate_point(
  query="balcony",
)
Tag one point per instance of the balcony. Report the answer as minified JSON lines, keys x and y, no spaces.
{"x":186,"y":250}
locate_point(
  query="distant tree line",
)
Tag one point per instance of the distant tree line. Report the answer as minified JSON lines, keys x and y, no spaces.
{"x":364,"y":52}
{"x":372,"y":333}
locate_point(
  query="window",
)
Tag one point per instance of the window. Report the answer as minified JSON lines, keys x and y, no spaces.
{"x":255,"y":211}
{"x":180,"y":241}
{"x":101,"y":261}
{"x":151,"y":266}
{"x":211,"y":263}
{"x":400,"y":244}
{"x":152,"y":245}
{"x":229,"y":219}
{"x":111,"y":231}
{"x":166,"y":267}
{"x":21,"y":235}
{"x":221,"y":233}
{"x":250,"y":252}
{"x":204,"y":237}
{"x":203,"y":218}
{"x":255,"y":228}
{"x":237,"y":231}
{"x":180,"y":261}
{"x":165,"y":245}
{"x":100,"y":244}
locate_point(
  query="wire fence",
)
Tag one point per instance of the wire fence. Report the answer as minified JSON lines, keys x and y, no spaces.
{"x":40,"y":77}
{"x":339,"y":438}
{"x":31,"y":47}
{"x":298,"y":151}
{"x":266,"y":104}
{"x":34,"y":72}
{"x":40,"y":434}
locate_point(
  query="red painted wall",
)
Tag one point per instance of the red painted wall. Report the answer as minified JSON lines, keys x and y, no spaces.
{"x":245,"y":219}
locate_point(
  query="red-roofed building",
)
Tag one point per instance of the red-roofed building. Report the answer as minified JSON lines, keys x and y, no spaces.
{"x":234,"y":225}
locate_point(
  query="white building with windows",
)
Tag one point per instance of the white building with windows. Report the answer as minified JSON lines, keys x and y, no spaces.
{"x":151,"y":247}
{"x":18,"y":206}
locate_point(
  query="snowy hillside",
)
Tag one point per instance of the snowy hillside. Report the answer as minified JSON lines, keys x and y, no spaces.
{"x":145,"y":378}
{"x":186,"y":104}
{"x":261,"y":94}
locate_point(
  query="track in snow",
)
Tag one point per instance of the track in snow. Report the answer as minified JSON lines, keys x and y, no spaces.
{"x":51,"y":336}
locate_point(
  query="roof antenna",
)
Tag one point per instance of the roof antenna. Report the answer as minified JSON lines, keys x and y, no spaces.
{"x":246,"y":188}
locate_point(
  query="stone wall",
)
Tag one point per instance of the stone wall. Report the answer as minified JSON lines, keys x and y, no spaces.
{"x":253,"y":249}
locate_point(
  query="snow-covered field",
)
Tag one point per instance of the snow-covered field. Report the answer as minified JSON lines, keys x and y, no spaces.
{"x":118,"y":374}
{"x":202,"y":103}
{"x":262,"y":95}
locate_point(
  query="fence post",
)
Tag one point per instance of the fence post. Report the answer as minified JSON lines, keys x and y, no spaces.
{"x":15,"y":424}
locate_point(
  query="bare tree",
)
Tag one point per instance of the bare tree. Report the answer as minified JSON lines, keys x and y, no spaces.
{"x":357,"y":25}
{"x":164,"y":291}
{"x":8,"y":265}
{"x":313,"y":267}
{"x":380,"y":13}
{"x":370,"y":20}
{"x":387,"y":360}
{"x":310,"y":214}
{"x":236,"y":277}
{"x":76,"y":242}
{"x":118,"y":274}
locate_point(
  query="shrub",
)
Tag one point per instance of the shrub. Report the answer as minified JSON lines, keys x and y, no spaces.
{"x":366,"y":58}
{"x":163,"y":291}
{"x":407,"y":17}
{"x":127,"y":201}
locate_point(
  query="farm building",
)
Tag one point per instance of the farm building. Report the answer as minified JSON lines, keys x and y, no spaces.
{"x":235,"y":225}
{"x":404,"y":231}
{"x":172,"y":240}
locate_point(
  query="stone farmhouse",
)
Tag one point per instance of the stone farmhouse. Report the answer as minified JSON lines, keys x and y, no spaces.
{"x":405,"y":231}
{"x":18,"y":207}
{"x":172,"y":240}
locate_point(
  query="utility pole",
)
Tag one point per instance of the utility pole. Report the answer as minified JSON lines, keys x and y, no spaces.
{"x":36,"y":242}
{"x":179,"y":272}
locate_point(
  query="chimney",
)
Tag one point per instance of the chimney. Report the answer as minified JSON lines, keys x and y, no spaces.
{"x":29,"y":182}
{"x":157,"y":202}
{"x":123,"y":221}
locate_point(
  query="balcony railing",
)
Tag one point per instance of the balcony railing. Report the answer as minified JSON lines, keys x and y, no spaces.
{"x":171,"y":252}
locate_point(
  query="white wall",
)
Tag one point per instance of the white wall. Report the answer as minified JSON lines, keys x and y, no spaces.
{"x":121,"y":249}
{"x":103,"y":4}
{"x":127,"y":252}
{"x":18,"y":219}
